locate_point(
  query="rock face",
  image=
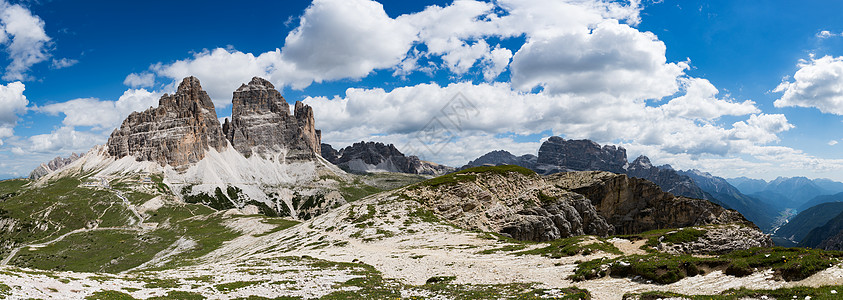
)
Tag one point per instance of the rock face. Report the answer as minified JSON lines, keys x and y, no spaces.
{"x":668,"y":179}
{"x":52,"y":166}
{"x":634,"y":205}
{"x":175,"y":133}
{"x":526,"y":206}
{"x":261,"y":123}
{"x":720,"y":240}
{"x":501,"y":157}
{"x":560,"y":155}
{"x":522,"y":206}
{"x":365,"y":157}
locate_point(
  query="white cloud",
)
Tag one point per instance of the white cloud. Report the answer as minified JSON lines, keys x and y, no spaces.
{"x":339,"y":39}
{"x":12,"y":103}
{"x":497,"y":109}
{"x":699,"y":102}
{"x":24,"y":37}
{"x":63,"y":63}
{"x":64,"y":140}
{"x":818,"y":83}
{"x":832,"y":142}
{"x":139,"y":80}
{"x":613,"y":58}
{"x":346,"y":38}
{"x":102,"y":115}
{"x":824,"y":34}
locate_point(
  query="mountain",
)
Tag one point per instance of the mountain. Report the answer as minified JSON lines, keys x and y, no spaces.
{"x":366,"y":157}
{"x":177,"y":132}
{"x":820,"y":200}
{"x":752,"y":208}
{"x":560,"y":155}
{"x":52,"y":166}
{"x":799,"y":227}
{"x":748,"y":185}
{"x":516,"y":202}
{"x":501,"y":157}
{"x":828,"y":236}
{"x":787,"y":192}
{"x":261,"y":123}
{"x":797,"y":190}
{"x":668,"y":179}
{"x":829,"y":185}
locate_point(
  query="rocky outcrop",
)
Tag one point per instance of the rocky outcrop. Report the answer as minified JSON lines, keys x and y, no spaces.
{"x":517,"y":204}
{"x":176,"y":133}
{"x":366,"y":157}
{"x":52,"y":166}
{"x":560,"y":155}
{"x":501,"y":157}
{"x":261,"y":122}
{"x":634,"y":205}
{"x":719,"y":240}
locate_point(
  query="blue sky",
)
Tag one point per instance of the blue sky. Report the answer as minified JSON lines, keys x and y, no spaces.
{"x":730,"y":87}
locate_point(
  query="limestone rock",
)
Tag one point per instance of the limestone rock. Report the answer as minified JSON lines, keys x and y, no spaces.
{"x":634,"y":205}
{"x":501,"y":157}
{"x":524,"y":207}
{"x":668,"y":179}
{"x":560,"y":155}
{"x":721,"y":240}
{"x":261,"y":122}
{"x":176,"y":133}
{"x":52,"y":166}
{"x":365,"y":157}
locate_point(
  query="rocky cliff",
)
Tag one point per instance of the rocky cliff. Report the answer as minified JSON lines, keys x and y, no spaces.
{"x":501,"y":157}
{"x":634,"y":205}
{"x":511,"y":201}
{"x":175,"y":133}
{"x":365,"y":157}
{"x":519,"y":203}
{"x":52,"y":166}
{"x":261,"y":122}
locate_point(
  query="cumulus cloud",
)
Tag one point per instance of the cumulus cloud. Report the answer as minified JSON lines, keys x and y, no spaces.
{"x":497,"y":108}
{"x":347,"y":38}
{"x":818,"y":83}
{"x":64,"y":139}
{"x":700,"y":102}
{"x":832,"y":142}
{"x":12,"y":103}
{"x":338,"y":39}
{"x":102,"y":114}
{"x":613,"y":58}
{"x":24,"y":38}
{"x":139,"y":80}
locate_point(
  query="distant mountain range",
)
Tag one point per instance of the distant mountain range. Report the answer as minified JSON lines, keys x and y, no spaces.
{"x":367,"y":157}
{"x":560,"y":155}
{"x":787,"y":192}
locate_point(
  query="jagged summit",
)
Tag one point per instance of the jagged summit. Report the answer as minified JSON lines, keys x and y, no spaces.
{"x":176,"y":133}
{"x":184,"y":126}
{"x":261,"y":122}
